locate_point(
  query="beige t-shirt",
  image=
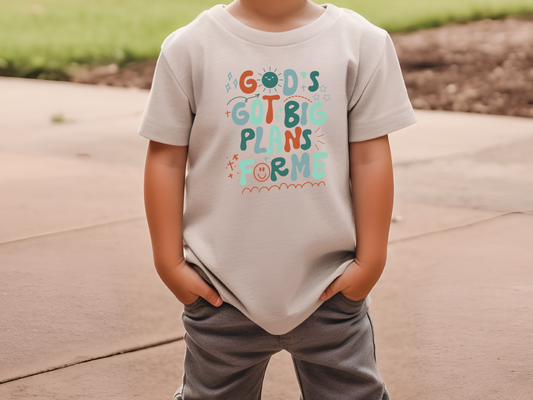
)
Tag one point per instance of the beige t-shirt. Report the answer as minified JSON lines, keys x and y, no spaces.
{"x":268,"y":117}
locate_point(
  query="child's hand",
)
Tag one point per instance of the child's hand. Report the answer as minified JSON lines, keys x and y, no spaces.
{"x":353,"y":283}
{"x":188,"y":285}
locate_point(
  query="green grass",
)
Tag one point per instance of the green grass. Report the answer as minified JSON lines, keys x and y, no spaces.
{"x":40,"y":38}
{"x":410,"y":15}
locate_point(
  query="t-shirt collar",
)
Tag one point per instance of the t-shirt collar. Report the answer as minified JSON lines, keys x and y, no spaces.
{"x":293,"y":36}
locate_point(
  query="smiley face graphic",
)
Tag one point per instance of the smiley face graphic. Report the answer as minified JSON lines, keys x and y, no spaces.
{"x":261,"y":172}
{"x":270,"y":80}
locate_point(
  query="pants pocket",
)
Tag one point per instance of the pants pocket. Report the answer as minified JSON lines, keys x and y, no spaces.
{"x":194,"y":303}
{"x":343,"y":307}
{"x":350,"y":301}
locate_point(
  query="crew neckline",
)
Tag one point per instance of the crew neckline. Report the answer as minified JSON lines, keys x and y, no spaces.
{"x":267,"y":38}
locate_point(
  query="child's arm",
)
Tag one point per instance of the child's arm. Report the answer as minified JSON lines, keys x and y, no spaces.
{"x":164,"y":182}
{"x":373,"y":195}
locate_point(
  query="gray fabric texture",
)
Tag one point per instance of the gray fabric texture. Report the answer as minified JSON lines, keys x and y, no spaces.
{"x":333,"y":353}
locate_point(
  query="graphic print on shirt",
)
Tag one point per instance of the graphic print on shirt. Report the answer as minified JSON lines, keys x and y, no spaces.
{"x":277,"y":142}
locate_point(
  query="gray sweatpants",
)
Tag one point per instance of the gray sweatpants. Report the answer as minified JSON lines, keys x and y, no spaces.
{"x":333,"y":352}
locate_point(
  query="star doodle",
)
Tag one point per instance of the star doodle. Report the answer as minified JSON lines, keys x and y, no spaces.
{"x":235,"y":83}
{"x":316,"y":96}
{"x":323,"y":88}
{"x":228,"y":87}
{"x":277,"y":116}
{"x":230,"y":176}
{"x":326,"y":97}
{"x":303,"y":87}
{"x":230,"y":76}
{"x":266,"y":159}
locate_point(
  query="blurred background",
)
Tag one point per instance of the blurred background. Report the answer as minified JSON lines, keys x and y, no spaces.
{"x":83,"y":314}
{"x":486,"y":67}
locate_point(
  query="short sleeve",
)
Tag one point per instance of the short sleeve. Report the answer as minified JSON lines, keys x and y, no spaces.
{"x":381,"y":104}
{"x":168,"y":116}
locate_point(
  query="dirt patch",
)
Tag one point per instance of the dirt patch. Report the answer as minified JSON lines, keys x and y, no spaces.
{"x":137,"y":74}
{"x":483,"y":67}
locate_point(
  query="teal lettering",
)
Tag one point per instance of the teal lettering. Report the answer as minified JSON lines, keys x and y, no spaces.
{"x":257,"y":119}
{"x":307,"y":143}
{"x":246,"y":134}
{"x":257,"y":148}
{"x":303,"y":121}
{"x":243,"y":165}
{"x":277,"y":164}
{"x":314,"y":86}
{"x":320,"y":113}
{"x":291,"y":118}
{"x":275,"y":140}
{"x":300,"y":165}
{"x":239,"y":117}
{"x":316,"y":165}
{"x":289,"y":90}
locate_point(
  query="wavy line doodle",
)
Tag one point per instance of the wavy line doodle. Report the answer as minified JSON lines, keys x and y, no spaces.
{"x":303,"y":97}
{"x":301,"y":185}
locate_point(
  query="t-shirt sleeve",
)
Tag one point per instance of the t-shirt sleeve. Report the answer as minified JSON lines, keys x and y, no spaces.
{"x":168,"y":116}
{"x":381,"y":102}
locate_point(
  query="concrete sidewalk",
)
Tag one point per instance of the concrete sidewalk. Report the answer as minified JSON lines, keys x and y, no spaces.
{"x":452,"y":311}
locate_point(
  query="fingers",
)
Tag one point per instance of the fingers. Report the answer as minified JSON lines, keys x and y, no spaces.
{"x":187,"y":285}
{"x":212,"y":297}
{"x":203,"y":289}
{"x":351,"y":283}
{"x":332,"y":289}
{"x":327,"y":294}
{"x":340,"y":283}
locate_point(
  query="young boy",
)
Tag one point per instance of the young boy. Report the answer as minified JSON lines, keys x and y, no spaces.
{"x":268,"y":162}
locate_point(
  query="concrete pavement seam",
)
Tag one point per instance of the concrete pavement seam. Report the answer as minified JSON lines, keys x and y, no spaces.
{"x":74,"y":229}
{"x":132,"y":350}
{"x":459,"y":227}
